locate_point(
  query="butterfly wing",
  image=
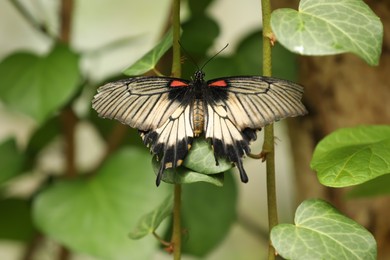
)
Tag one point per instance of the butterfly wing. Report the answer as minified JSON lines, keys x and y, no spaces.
{"x":253,"y":102}
{"x":227,"y":139}
{"x":159,"y":107}
{"x":143,"y":103}
{"x":172,"y":140}
{"x":238,"y":106}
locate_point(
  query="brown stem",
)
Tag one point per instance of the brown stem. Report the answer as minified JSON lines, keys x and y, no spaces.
{"x":68,"y":117}
{"x":32,"y":247}
{"x":69,"y":121}
{"x":66,"y":20}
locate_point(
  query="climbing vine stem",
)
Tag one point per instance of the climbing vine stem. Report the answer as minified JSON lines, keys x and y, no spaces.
{"x":268,"y":146}
{"x":176,"y":72}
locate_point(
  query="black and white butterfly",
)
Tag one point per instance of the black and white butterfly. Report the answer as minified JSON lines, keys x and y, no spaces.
{"x":170,"y":112}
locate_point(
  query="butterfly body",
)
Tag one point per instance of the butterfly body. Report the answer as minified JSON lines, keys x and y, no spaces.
{"x":170,"y":112}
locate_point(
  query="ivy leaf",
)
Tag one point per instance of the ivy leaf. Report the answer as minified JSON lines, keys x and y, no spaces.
{"x":184,"y":175}
{"x":150,"y":222}
{"x":322,"y":232}
{"x":201,"y":159}
{"x":351,"y":156}
{"x":379,"y":186}
{"x":15,"y":220}
{"x":93,"y":215}
{"x":150,"y":59}
{"x":216,"y":206}
{"x":11,"y":160}
{"x":323,"y":27}
{"x":198,"y":166}
{"x":38,"y":86}
{"x":199,"y":33}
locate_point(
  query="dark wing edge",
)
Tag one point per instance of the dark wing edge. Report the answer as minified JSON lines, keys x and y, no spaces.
{"x":171,"y":141}
{"x":141,"y":102}
{"x":158,"y":107}
{"x":254,"y":101}
{"x":238,"y":106}
{"x":226,"y":139}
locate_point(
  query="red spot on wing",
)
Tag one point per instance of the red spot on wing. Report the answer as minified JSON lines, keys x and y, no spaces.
{"x":219,"y":83}
{"x":178,"y":83}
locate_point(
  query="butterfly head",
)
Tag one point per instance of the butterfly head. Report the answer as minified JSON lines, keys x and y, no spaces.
{"x":199,"y":76}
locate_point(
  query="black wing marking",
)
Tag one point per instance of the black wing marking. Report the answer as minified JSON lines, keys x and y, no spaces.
{"x":254,"y":101}
{"x":172,"y":140}
{"x":159,"y":107}
{"x":238,"y":106}
{"x":144,"y":103}
{"x":228,"y":140}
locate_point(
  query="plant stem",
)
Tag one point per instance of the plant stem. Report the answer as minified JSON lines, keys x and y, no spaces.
{"x":176,"y":235}
{"x":176,"y":72}
{"x":268,"y":146}
{"x":176,"y":65}
{"x":68,"y":117}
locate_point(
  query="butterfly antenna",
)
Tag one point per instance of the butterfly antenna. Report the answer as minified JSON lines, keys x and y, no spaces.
{"x":214,"y":56}
{"x":188,"y":55}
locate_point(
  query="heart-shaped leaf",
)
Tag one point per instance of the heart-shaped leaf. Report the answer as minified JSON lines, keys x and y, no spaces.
{"x":38,"y":86}
{"x":201,"y":158}
{"x":323,"y":27}
{"x":93,"y":215}
{"x":352,"y":156}
{"x":150,"y":59}
{"x":11,"y":160}
{"x":208,"y":213}
{"x":321,"y":232}
{"x":379,"y":186}
{"x":183,"y":175}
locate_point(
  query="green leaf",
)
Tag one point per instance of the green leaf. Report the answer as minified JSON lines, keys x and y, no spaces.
{"x":379,"y":186}
{"x":11,"y":160}
{"x":201,"y":159}
{"x":199,"y":34}
{"x":246,"y":60}
{"x":41,"y":137}
{"x":150,"y":59}
{"x":351,"y":156}
{"x":15,"y":220}
{"x":208,"y":213}
{"x":184,"y":175}
{"x":198,"y":7}
{"x":323,"y":27}
{"x":94,"y":214}
{"x":150,"y":222}
{"x":322,"y":232}
{"x":38,"y":86}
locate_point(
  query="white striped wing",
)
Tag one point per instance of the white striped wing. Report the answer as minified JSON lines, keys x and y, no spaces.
{"x":172,"y":140}
{"x":238,"y":106}
{"x":141,"y":102}
{"x":253,"y":102}
{"x":227,"y":139}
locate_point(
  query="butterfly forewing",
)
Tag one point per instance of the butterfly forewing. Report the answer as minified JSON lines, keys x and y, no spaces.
{"x":142,"y":102}
{"x":159,"y":107}
{"x":253,"y":102}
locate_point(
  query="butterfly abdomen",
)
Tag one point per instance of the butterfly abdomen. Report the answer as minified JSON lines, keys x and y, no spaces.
{"x":198,"y":117}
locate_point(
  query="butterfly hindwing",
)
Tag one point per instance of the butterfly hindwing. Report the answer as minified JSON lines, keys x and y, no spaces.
{"x":172,"y":140}
{"x":159,"y":107}
{"x":238,"y":106}
{"x":226,"y":138}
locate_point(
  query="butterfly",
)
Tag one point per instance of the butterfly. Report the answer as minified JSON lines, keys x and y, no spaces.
{"x":170,"y":112}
